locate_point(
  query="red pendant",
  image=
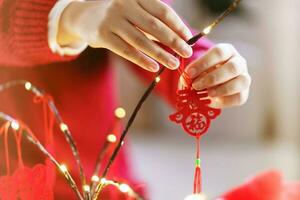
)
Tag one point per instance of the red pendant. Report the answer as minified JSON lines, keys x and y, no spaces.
{"x":194,"y":112}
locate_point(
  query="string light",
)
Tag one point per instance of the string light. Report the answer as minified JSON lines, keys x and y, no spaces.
{"x":207,"y":30}
{"x":86,"y":188}
{"x":111,"y":138}
{"x":63,"y":127}
{"x":63,"y":168}
{"x":124,"y":188}
{"x":120,"y":113}
{"x":157,"y":79}
{"x":95,"y":178}
{"x":103,"y":180}
{"x":196,"y":197}
{"x":15,"y":125}
{"x":28,"y":86}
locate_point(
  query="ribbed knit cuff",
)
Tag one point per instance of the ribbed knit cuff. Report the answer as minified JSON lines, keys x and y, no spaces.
{"x":26,"y":35}
{"x":53,"y":24}
{"x":29,"y":24}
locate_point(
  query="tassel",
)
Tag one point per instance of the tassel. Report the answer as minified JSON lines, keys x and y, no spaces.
{"x":197,"y":177}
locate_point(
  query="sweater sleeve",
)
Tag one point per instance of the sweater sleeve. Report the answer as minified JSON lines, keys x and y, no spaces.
{"x":168,"y":84}
{"x":24,"y":33}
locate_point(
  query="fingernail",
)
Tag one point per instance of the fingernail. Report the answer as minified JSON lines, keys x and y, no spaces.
{"x":154,"y":67}
{"x":192,"y":72}
{"x":188,"y":34}
{"x":173,"y":63}
{"x":187,"y":50}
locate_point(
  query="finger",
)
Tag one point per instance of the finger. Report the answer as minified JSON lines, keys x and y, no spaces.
{"x":216,"y":55}
{"x":168,"y":16}
{"x":230,"y":101}
{"x":160,"y":31}
{"x":231,"y":87}
{"x":182,"y":82}
{"x":234,"y":67}
{"x":120,"y":47}
{"x":139,"y":41}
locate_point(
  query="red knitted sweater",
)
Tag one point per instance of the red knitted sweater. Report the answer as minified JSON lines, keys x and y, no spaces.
{"x":82,"y":87}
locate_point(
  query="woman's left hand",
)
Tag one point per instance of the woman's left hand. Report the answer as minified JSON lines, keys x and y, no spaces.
{"x":223,"y":72}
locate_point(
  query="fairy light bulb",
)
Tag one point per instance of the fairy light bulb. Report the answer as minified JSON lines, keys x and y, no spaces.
{"x":120,"y":113}
{"x":111,"y":138}
{"x":207,"y":30}
{"x":15,"y":125}
{"x":103,"y":180}
{"x":124,"y":188}
{"x":195,"y":197}
{"x":157,"y":79}
{"x":95,"y":178}
{"x":28,"y":86}
{"x":63,"y":127}
{"x":63,"y":168}
{"x":86,"y":188}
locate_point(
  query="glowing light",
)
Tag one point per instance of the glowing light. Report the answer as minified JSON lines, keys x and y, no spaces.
{"x":124,"y":188}
{"x":28,"y":85}
{"x":120,"y":112}
{"x":95,"y":178}
{"x":63,"y":168}
{"x":111,"y":138}
{"x":103,"y":180}
{"x":157,"y":79}
{"x":63,"y":127}
{"x":86,"y":188}
{"x":195,"y":197}
{"x":15,"y":125}
{"x":207,"y":30}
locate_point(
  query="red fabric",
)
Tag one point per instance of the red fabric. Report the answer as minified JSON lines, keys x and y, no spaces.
{"x":27,"y":183}
{"x":82,"y":87}
{"x":266,"y":186}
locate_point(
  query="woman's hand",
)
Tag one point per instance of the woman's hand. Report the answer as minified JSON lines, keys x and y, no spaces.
{"x":125,"y":27}
{"x":223,"y":71}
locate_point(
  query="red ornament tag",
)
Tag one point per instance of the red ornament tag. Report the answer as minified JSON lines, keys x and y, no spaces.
{"x":194,"y":113}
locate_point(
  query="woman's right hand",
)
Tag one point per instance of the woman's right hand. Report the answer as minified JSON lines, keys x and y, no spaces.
{"x":126,"y":28}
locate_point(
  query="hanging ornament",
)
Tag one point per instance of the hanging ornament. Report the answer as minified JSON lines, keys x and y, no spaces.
{"x":195,"y":115}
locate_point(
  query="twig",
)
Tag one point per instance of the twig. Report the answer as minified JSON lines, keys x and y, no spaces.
{"x":151,"y":87}
{"x":32,"y":139}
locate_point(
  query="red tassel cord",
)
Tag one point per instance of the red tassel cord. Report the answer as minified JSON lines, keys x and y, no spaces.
{"x":194,"y":115}
{"x":4,"y":130}
{"x":197,"y":177}
{"x":48,"y":118}
{"x":18,"y":138}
